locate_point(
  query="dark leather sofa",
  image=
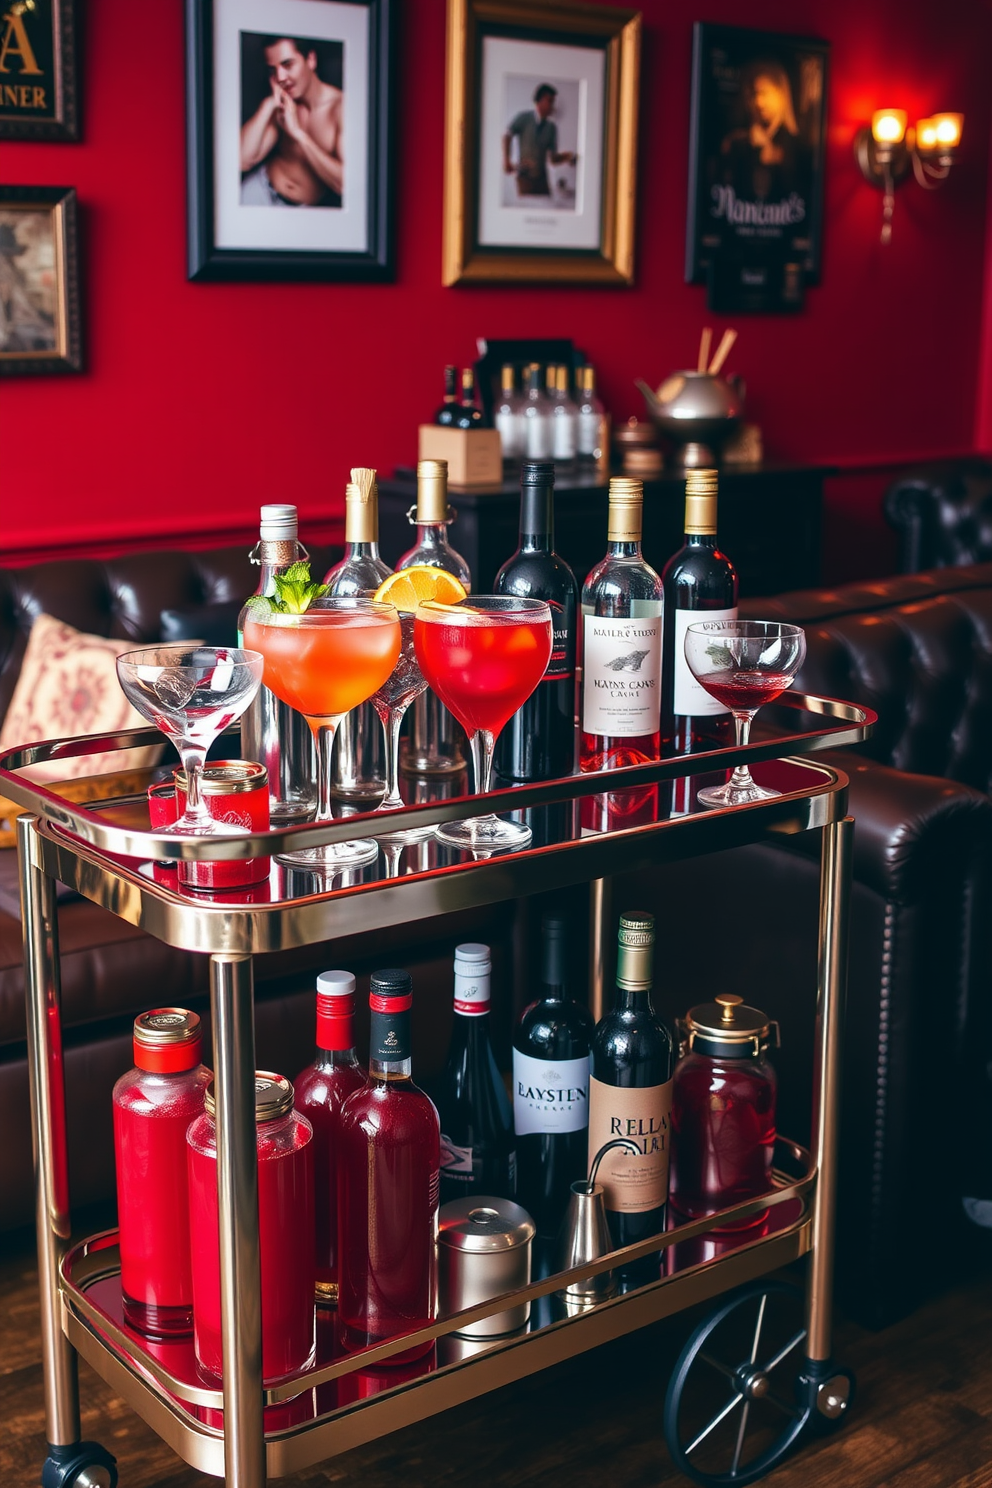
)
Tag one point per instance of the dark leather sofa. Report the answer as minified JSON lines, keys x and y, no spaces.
{"x":942,"y":513}
{"x":918,"y":650}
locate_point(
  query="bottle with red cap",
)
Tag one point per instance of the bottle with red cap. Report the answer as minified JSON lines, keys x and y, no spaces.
{"x":154,"y":1104}
{"x":321,"y":1091}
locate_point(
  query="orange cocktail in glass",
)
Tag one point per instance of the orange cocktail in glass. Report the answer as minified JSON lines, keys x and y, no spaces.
{"x":324,"y":663}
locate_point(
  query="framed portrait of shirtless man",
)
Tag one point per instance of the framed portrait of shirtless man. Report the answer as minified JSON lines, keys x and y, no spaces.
{"x":289,"y":139}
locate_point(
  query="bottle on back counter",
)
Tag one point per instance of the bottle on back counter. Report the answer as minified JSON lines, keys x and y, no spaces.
{"x":272,"y":733}
{"x":538,"y":432}
{"x":564,"y":417}
{"x":700,"y":583}
{"x":478,"y":1152}
{"x":592,"y":421}
{"x":551,"y":1087}
{"x":154,"y":1103}
{"x":359,"y":752}
{"x":435,"y":743}
{"x":538,"y":743}
{"x":508,"y":417}
{"x":448,"y":411}
{"x":468,"y":414}
{"x":630,"y":1098}
{"x":321,"y":1091}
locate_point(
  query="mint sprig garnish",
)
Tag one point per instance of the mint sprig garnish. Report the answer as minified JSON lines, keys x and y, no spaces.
{"x":295,"y":591}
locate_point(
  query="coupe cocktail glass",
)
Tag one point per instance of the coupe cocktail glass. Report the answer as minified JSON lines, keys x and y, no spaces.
{"x":324,"y":663}
{"x":405,"y":683}
{"x":743,"y":664}
{"x":483,"y":657}
{"x":191,"y":693}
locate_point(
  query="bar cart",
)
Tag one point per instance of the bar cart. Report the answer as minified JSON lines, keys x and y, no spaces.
{"x":245,"y":1433}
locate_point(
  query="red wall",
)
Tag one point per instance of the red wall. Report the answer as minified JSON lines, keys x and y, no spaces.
{"x":200,"y":401}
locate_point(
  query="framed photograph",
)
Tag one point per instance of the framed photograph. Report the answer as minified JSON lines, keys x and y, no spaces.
{"x":540,"y":142}
{"x":289,"y":139}
{"x":757,"y":143}
{"x":39,"y":281}
{"x":38,"y":70}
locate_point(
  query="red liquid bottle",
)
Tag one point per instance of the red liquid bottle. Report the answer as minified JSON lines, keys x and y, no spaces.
{"x":321,"y":1091}
{"x":286,"y":1232}
{"x":723,"y":1111}
{"x":388,"y":1186}
{"x":154,"y":1104}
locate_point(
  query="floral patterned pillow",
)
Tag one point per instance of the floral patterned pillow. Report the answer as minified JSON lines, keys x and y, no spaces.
{"x":68,"y":686}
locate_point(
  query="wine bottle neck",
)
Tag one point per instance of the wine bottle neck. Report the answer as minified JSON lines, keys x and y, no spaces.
{"x":700,"y":539}
{"x":627,"y":1000}
{"x":391,"y":1071}
{"x":625,"y":549}
{"x":361,"y":549}
{"x":328,"y":1059}
{"x":274,"y":558}
{"x":537,"y":521}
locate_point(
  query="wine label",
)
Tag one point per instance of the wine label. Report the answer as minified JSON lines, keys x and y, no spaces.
{"x":621,"y":673}
{"x":549,"y":1096}
{"x":690,"y":697}
{"x":635,"y":1175}
{"x":562,"y":663}
{"x":472,"y":993}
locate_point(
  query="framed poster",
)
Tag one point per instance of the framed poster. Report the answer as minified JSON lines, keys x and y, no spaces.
{"x":39,"y":281}
{"x":289,"y":139}
{"x":540,"y":142}
{"x":38,"y":70}
{"x":757,"y":142}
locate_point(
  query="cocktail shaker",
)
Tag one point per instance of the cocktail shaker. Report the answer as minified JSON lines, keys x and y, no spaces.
{"x":484,"y":1248}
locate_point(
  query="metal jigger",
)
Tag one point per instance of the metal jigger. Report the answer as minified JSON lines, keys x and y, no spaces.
{"x":585,"y":1236}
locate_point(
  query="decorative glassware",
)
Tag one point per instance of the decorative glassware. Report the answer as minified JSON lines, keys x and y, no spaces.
{"x":191,"y":693}
{"x":483,"y":657}
{"x":405,"y":682}
{"x":325,"y":662}
{"x":743,"y":664}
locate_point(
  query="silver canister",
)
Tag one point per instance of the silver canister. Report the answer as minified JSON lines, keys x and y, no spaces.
{"x":484,"y":1249}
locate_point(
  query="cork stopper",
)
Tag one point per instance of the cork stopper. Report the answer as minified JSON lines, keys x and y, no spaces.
{"x":636,"y":955}
{"x":626,"y":508}
{"x":432,"y":491}
{"x":585,"y":379}
{"x":361,"y":507}
{"x":700,"y":501}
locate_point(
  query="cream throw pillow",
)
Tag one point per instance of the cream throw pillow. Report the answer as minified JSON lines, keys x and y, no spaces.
{"x":68,"y":686}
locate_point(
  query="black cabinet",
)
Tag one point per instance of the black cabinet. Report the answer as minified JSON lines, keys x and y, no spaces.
{"x":770,"y":518}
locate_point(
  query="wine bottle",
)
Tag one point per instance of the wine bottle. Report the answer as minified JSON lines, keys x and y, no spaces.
{"x":538,"y":433}
{"x":436,"y":742}
{"x":359,"y":754}
{"x":592,"y":421}
{"x":621,"y":644}
{"x":468,"y":414}
{"x":478,"y":1151}
{"x":551,"y":1087}
{"x":448,"y":411}
{"x":388,"y":1185}
{"x":538,"y":743}
{"x":630,"y":1098}
{"x":321,"y":1091}
{"x":272,"y":732}
{"x":508,"y":417}
{"x":700,"y":583}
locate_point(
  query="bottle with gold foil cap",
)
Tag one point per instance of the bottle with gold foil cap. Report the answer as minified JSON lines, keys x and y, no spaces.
{"x":436,"y":745}
{"x":593,"y":421}
{"x":700,"y":583}
{"x":508,"y":417}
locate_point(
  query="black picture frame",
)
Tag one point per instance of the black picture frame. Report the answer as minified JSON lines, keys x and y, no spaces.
{"x":208,"y":262}
{"x":757,"y":144}
{"x":66,"y":354}
{"x":38,"y":55}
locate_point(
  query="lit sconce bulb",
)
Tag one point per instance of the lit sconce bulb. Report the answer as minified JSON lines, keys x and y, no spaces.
{"x":926,"y":134}
{"x":948,"y":130}
{"x":888,"y":126}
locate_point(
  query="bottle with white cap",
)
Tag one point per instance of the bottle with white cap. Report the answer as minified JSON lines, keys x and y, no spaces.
{"x":273,"y":733}
{"x":321,"y":1091}
{"x":478,"y":1148}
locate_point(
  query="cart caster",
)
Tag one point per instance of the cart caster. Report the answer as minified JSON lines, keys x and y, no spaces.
{"x":828,"y":1392}
{"x":752,"y":1391}
{"x":84,"y":1465}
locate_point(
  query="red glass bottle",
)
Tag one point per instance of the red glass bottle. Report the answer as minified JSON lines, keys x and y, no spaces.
{"x":723,"y":1110}
{"x":286,"y":1232}
{"x":154,"y":1104}
{"x":388,"y":1186}
{"x":321,"y":1091}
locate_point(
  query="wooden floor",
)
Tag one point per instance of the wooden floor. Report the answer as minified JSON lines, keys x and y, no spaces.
{"x":922,"y":1418}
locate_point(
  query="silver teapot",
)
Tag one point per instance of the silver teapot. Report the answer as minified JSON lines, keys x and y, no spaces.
{"x":696,"y":411}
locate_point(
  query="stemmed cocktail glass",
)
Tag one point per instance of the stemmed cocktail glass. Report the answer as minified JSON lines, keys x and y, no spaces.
{"x":191,"y":693}
{"x":324,"y":662}
{"x":405,"y":682}
{"x":483,"y":658}
{"x":743,"y":664}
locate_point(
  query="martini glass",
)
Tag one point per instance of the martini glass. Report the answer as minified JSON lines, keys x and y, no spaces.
{"x":483,"y":658}
{"x":743,"y":664}
{"x":191,"y":693}
{"x":405,"y":682}
{"x":323,"y":663}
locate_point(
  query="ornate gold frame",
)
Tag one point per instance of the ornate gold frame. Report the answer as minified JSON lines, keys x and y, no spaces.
{"x":463,"y":260}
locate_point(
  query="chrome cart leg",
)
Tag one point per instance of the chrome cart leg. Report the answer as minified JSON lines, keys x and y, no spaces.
{"x":600,"y":913}
{"x":232,"y":1012}
{"x":69,"y":1461}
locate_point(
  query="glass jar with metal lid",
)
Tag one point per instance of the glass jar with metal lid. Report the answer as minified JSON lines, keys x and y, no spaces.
{"x":285,"y":1224}
{"x":234,"y":791}
{"x":484,"y":1249}
{"x":723,"y":1109}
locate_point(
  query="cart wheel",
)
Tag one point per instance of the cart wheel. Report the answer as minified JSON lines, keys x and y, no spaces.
{"x":749,"y":1398}
{"x":84,"y":1465}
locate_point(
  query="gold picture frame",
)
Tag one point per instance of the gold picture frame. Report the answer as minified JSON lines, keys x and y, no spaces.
{"x":582,"y":231}
{"x":39,"y":280}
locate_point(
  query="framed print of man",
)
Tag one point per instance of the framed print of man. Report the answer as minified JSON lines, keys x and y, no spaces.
{"x":291,"y":145}
{"x":536,"y":134}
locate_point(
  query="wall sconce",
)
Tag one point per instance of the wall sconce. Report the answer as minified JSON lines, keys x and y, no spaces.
{"x":887,"y":150}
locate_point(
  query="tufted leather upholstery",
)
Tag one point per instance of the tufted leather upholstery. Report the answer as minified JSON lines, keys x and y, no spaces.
{"x":943,"y":514}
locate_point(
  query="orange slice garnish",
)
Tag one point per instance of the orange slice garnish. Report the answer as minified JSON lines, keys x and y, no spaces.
{"x":409,"y":587}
